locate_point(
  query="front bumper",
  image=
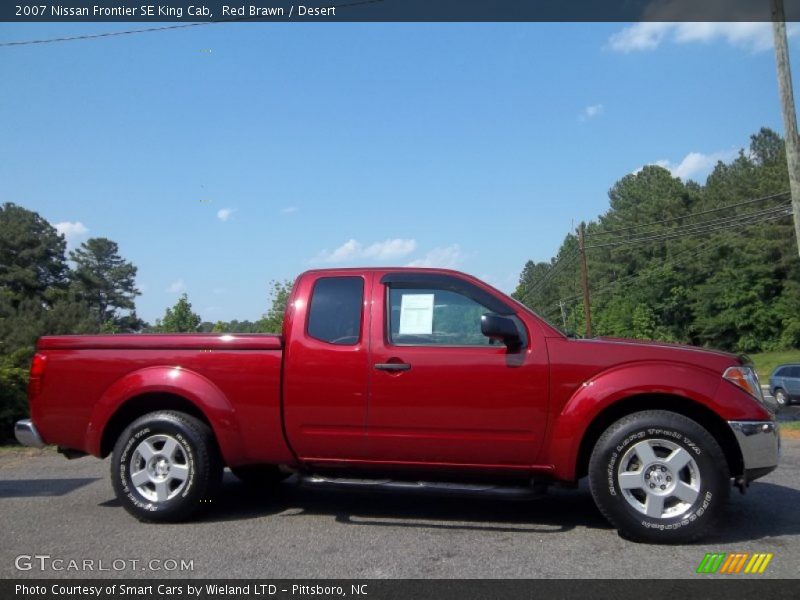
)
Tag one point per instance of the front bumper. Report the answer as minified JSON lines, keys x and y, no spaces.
{"x":27,"y":435}
{"x":760,"y":445}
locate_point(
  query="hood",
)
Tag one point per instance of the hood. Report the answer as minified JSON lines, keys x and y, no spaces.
{"x":738,"y":358}
{"x":620,"y":350}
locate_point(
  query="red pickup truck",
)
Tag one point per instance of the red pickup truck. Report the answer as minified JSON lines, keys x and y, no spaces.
{"x":411,"y":375}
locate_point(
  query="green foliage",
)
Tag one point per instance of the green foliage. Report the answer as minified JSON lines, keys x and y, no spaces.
{"x":643,"y":322}
{"x":179,"y":318}
{"x":32,"y":263}
{"x":13,"y":405}
{"x":36,"y":298}
{"x":106,"y":282}
{"x":272,"y":321}
{"x":735,"y":289}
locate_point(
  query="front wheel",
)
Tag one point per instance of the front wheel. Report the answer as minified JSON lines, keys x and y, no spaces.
{"x":165,"y":465}
{"x":659,"y":477}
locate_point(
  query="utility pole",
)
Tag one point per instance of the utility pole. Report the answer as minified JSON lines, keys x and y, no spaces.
{"x":787,"y":106}
{"x":587,"y":308}
{"x":563,"y":314}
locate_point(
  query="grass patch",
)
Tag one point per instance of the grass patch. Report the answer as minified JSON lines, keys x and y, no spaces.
{"x":765,"y":362}
{"x":790,"y":426}
{"x":12,"y":454}
{"x":5,"y":448}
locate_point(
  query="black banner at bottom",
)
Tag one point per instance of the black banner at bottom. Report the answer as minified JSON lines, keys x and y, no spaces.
{"x":395,"y":589}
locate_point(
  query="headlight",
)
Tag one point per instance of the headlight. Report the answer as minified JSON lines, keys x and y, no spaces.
{"x":745,"y":378}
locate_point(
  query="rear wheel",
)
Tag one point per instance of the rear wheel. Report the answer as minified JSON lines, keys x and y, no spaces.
{"x":781,"y":398}
{"x":659,"y":477}
{"x":165,"y":465}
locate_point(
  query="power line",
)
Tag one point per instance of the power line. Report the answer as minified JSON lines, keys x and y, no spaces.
{"x":669,"y":262}
{"x":106,"y":34}
{"x":561,"y":264}
{"x":705,"y":227}
{"x":703,"y":248}
{"x":109,"y":34}
{"x":698,"y":228}
{"x":558,"y":266}
{"x":632,"y":277}
{"x":709,"y":226}
{"x":689,"y":216}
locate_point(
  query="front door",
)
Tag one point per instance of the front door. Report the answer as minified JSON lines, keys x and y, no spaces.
{"x":443,"y":393}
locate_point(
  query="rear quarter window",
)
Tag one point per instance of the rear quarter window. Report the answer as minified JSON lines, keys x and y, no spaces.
{"x":334,"y":315}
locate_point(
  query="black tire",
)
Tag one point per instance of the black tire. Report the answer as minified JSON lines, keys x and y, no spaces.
{"x":259,"y":476}
{"x":692,"y":495}
{"x":165,"y":466}
{"x":781,"y":397}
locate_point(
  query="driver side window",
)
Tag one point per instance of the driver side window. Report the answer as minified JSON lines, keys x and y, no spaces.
{"x":428,"y":316}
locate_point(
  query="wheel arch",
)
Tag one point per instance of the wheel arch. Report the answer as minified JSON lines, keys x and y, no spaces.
{"x":702,"y":415}
{"x":163,"y":388}
{"x":140,"y":405}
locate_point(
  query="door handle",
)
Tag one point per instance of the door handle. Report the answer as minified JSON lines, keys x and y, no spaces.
{"x":393,"y":366}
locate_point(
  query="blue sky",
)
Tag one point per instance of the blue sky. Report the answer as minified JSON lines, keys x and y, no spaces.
{"x":224,"y":156}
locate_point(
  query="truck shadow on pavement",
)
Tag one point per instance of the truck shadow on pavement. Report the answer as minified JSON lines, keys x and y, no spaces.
{"x":768,"y":510}
{"x":556,"y":512}
{"x":32,"y":488}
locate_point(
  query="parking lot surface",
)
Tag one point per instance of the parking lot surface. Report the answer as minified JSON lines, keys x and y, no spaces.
{"x":66,"y":510}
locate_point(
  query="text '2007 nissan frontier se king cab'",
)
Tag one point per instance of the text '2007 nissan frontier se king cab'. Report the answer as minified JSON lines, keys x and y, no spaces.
{"x":413,"y":374}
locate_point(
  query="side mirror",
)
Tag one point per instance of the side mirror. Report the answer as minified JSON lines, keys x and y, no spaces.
{"x":496,"y":326}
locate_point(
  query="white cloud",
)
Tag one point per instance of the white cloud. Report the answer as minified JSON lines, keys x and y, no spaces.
{"x":695,"y":164}
{"x":641,"y":36}
{"x":592,"y":111}
{"x":752,"y":36}
{"x":388,"y":249}
{"x":447,"y":257}
{"x":347,"y":251}
{"x":223,"y":214}
{"x":353,"y":250}
{"x":289,"y":209}
{"x":72,"y":231}
{"x":177,"y":287}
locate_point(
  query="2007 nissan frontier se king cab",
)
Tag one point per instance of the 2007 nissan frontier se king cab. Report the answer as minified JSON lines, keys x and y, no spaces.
{"x":413,"y":374}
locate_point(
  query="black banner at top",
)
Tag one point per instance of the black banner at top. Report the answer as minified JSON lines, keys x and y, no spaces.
{"x":198,"y":11}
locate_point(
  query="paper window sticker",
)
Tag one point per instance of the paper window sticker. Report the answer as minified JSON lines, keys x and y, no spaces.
{"x":416,"y":314}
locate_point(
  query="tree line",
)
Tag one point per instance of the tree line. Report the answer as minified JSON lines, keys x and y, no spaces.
{"x":712,"y":265}
{"x":45,"y":290}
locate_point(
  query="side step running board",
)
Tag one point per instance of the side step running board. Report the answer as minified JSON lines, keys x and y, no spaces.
{"x":314,"y":480}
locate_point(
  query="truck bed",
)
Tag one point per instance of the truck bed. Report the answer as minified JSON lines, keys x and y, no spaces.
{"x":88,"y":379}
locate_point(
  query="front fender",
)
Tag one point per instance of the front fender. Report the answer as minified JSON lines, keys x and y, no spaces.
{"x":178,"y":381}
{"x":641,"y":379}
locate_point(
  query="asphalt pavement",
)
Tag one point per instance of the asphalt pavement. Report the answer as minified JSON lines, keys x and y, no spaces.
{"x":66,"y":510}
